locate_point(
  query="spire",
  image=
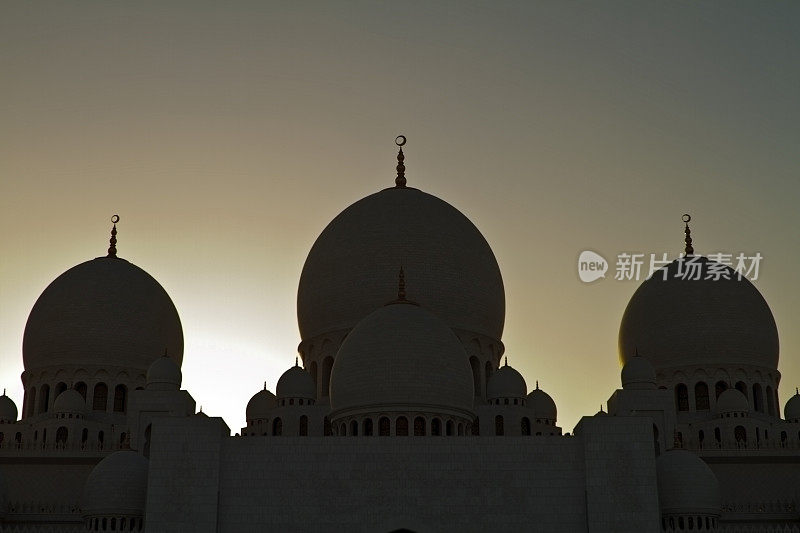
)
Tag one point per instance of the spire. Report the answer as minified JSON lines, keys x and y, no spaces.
{"x":265,"y":385}
{"x":400,"y":180}
{"x":689,"y":250}
{"x":537,"y":384}
{"x":112,"y":249}
{"x":295,"y":361}
{"x":506,"y":361}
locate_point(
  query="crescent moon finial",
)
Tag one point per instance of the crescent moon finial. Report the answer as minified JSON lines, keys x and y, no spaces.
{"x":112,"y":249}
{"x":689,"y":249}
{"x":400,"y":180}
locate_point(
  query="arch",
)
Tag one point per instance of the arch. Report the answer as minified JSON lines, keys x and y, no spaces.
{"x":401,"y":426}
{"x":384,"y":427}
{"x":354,"y":428}
{"x":120,"y":398}
{"x":701,"y":402}
{"x":303,"y":426}
{"x":61,"y":387}
{"x":449,"y":428}
{"x":44,"y":398}
{"x":61,"y":435}
{"x":277,"y":427}
{"x":476,"y":374}
{"x":741,"y":386}
{"x":327,"y":364}
{"x":32,"y":403}
{"x":367,"y":427}
{"x":498,"y":425}
{"x":758,"y":398}
{"x":525,"y":426}
{"x":719,"y":388}
{"x":740,"y":434}
{"x":419,"y":427}
{"x":681,"y":397}
{"x":436,"y":427}
{"x":770,"y":401}
{"x":100,"y":397}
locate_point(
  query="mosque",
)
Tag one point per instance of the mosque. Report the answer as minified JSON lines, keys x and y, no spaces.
{"x":400,"y":413}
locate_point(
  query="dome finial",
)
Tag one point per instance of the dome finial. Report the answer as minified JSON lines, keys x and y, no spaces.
{"x":400,"y":180}
{"x":295,"y":361}
{"x":112,"y":250}
{"x":686,"y":219}
{"x":537,"y":384}
{"x":265,"y":385}
{"x":506,"y":361}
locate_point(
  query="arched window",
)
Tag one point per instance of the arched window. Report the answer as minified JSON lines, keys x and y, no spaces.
{"x":488,"y":372}
{"x":368,"y":427}
{"x":61,"y":387}
{"x":436,"y":427}
{"x":313,"y":370}
{"x":419,"y":427}
{"x":525,"y":425}
{"x":476,"y":374}
{"x":327,"y":430}
{"x":100,"y":398}
{"x":701,"y":396}
{"x":277,"y":427}
{"x":354,"y":428}
{"x":32,"y":403}
{"x":44,"y":398}
{"x":449,"y":428}
{"x":61,"y":435}
{"x":401,"y":427}
{"x":758,"y":398}
{"x":681,"y":397}
{"x":384,"y":429}
{"x":120,"y":399}
{"x":327,"y":364}
{"x":303,"y":429}
{"x":740,"y":434}
{"x":498,"y":425}
{"x":719,"y":388}
{"x":770,"y":401}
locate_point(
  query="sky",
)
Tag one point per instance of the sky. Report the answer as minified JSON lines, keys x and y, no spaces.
{"x":227,"y":135}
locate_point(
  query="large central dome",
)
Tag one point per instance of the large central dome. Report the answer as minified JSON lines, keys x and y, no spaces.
{"x":353,"y":265}
{"x":106,"y":311}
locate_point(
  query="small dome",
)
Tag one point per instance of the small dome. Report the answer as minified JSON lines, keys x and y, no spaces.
{"x":296,"y":383}
{"x":103,"y":312}
{"x":732,"y":401}
{"x":164,"y":374}
{"x":792,"y":409}
{"x":8,"y":409}
{"x":400,"y":358}
{"x":677,"y":322}
{"x":116,"y":485}
{"x":69,"y":401}
{"x":638,"y":373}
{"x":260,"y":405}
{"x":352,"y":266}
{"x":506,"y":383}
{"x":686,"y":485}
{"x":542,"y":404}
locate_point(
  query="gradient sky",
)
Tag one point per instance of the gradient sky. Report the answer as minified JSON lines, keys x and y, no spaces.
{"x":227,"y":135}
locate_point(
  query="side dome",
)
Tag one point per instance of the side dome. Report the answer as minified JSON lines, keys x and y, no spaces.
{"x":69,"y":401}
{"x":677,"y":322}
{"x":506,"y":382}
{"x":8,"y":410}
{"x":543,"y":405}
{"x":260,"y":405}
{"x":792,"y":410}
{"x":686,"y":485}
{"x":402,"y":358}
{"x":116,"y":486}
{"x":351,"y":266}
{"x":296,"y":383}
{"x":638,"y":373}
{"x":732,"y":401}
{"x":164,"y":374}
{"x":104,"y":312}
